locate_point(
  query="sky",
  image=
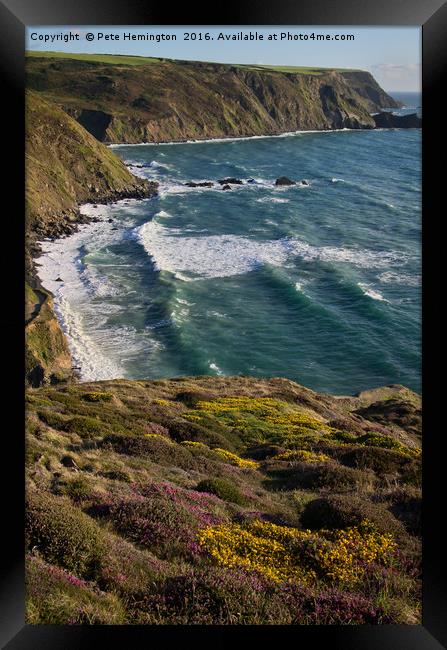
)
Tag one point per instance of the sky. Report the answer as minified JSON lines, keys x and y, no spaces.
{"x":391,"y":54}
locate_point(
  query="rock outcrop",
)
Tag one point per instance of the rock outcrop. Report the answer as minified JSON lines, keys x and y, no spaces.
{"x":385,"y":120}
{"x":283,"y":180}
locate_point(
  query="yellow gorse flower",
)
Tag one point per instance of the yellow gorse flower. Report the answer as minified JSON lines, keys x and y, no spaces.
{"x":236,"y":460}
{"x":259,"y":417}
{"x":159,"y":436}
{"x":302,"y":455}
{"x":285,"y":554}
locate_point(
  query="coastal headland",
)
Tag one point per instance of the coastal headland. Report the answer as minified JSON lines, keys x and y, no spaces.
{"x":200,"y":500}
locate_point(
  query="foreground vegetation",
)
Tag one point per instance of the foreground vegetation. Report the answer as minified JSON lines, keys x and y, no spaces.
{"x":222,"y":501}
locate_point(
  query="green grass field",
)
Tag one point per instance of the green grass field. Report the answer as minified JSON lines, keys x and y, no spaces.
{"x":119,"y":59}
{"x":116,"y":59}
{"x":293,"y":68}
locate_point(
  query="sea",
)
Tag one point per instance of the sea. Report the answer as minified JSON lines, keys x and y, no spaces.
{"x":318,"y":282}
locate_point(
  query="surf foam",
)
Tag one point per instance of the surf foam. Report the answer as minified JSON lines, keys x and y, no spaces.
{"x":226,"y":255}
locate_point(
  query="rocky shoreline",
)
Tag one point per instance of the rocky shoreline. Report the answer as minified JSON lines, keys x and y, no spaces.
{"x":385,"y":120}
{"x":76,"y":170}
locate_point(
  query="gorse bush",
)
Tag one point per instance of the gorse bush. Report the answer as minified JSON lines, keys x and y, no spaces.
{"x":223,"y":489}
{"x":78,"y":489}
{"x":62,"y":534}
{"x":258,"y":419}
{"x":383,"y":461}
{"x":236,"y":460}
{"x":318,"y":475}
{"x":97,"y":397}
{"x":285,"y":554}
{"x":406,"y":506}
{"x":341,"y":511}
{"x":85,"y":427}
{"x":302,"y":455}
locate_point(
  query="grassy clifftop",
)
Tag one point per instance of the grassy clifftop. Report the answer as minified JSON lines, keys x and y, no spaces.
{"x":222,"y":501}
{"x":65,"y":166}
{"x":159,"y":100}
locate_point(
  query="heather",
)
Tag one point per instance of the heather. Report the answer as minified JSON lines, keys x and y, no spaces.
{"x":220,"y":501}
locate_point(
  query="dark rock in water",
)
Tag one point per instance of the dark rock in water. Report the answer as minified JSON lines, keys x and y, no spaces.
{"x":251,"y":180}
{"x":202,"y":184}
{"x":386,"y":120}
{"x":283,"y":180}
{"x":226,"y":187}
{"x":110,"y":220}
{"x":58,"y":279}
{"x":230,"y":181}
{"x":304,"y":182}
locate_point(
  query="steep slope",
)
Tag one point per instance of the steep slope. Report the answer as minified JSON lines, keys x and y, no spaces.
{"x":367,"y":87}
{"x":176,"y":100}
{"x":221,"y":500}
{"x":65,"y":166}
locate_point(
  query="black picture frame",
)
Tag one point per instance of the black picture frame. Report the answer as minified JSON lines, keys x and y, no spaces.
{"x":14,"y":16}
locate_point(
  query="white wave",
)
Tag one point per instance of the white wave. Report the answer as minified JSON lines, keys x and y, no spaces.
{"x":226,"y":255}
{"x":169,"y":186}
{"x":287,"y":134}
{"x":96,"y":348}
{"x":215,"y":367}
{"x":338,"y":180}
{"x":371,"y":293}
{"x":272,"y":199}
{"x":390,"y":277}
{"x":216,"y":314}
{"x":157,"y":165}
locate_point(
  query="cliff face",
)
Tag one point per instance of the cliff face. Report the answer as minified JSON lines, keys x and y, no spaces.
{"x":175,"y":100}
{"x":65,"y":166}
{"x":364,"y":84}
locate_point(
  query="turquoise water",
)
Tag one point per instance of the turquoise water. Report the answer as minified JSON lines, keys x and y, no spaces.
{"x":319,"y":283}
